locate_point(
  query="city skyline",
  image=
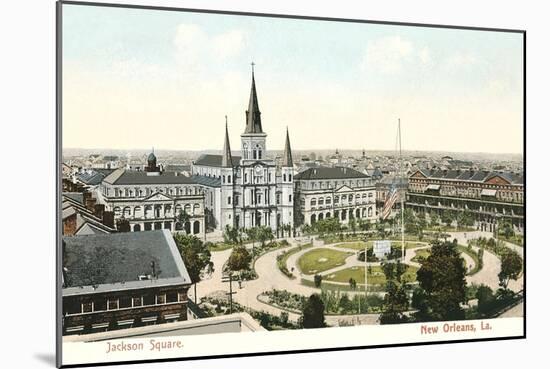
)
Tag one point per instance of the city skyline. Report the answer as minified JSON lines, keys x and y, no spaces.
{"x":181,"y":73}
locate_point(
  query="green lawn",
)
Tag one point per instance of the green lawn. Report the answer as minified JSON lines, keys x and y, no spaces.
{"x":477,"y":264}
{"x":422,"y":253}
{"x":282,"y":259}
{"x":319,"y":260}
{"x":360,"y":245}
{"x":375,"y":276}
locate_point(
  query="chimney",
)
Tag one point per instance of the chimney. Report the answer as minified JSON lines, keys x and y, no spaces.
{"x":99,"y":209}
{"x":85,"y":196}
{"x":90,"y":204}
{"x":109,"y":219}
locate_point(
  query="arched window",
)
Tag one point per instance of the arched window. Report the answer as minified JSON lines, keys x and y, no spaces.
{"x":313,"y":202}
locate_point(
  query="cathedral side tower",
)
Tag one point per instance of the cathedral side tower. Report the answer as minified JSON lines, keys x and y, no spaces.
{"x":286,"y":204}
{"x":227,"y":184}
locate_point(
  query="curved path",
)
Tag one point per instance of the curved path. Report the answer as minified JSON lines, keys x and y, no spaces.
{"x":488,"y":275}
{"x":270,"y":277}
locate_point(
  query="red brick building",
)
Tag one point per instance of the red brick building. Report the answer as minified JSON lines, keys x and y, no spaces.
{"x":489,"y":196}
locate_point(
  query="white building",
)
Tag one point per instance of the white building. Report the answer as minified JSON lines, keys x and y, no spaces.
{"x":152,"y":199}
{"x":339,"y":192}
{"x":248,"y":190}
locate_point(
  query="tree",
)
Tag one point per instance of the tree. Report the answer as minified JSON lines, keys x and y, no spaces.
{"x":345,"y":304}
{"x":442,"y":276}
{"x":381,"y":229}
{"x":317,"y":279}
{"x":196,"y":257}
{"x":434,"y":219}
{"x":396,"y":301}
{"x":485,"y":299}
{"x":239,"y":259}
{"x":313,"y":312}
{"x":400,"y":269}
{"x":465,"y":219}
{"x":353,"y":225}
{"x":419,"y":301}
{"x":389,"y":270}
{"x":447,"y":217}
{"x":252,"y":234}
{"x":507,"y":229}
{"x":511,"y":265}
{"x":264,"y":234}
{"x":232,"y":235}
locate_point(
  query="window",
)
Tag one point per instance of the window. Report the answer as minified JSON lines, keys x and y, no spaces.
{"x":149,"y":299}
{"x":72,"y":307}
{"x":137,"y":301}
{"x":284,"y":177}
{"x":100,"y":304}
{"x":236,"y":199}
{"x":290,"y":177}
{"x":161,"y":299}
{"x":87,"y":307}
{"x":245,"y":178}
{"x":112,"y":304}
{"x":228,"y":179}
{"x":124,"y":302}
{"x":289,"y":198}
{"x":278,"y":198}
{"x":228,"y":200}
{"x":171,"y":297}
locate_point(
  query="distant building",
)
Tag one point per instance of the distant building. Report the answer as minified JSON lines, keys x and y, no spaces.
{"x":154,"y":199}
{"x":122,"y":280}
{"x":325,"y":192}
{"x":489,"y":196}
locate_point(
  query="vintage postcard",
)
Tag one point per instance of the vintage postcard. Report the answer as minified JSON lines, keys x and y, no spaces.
{"x":237,"y":184}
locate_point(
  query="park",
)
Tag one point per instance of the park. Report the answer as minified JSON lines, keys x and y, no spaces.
{"x":274,"y":278}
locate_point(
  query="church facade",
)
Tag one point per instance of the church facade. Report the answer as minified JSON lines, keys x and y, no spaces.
{"x":249,"y":190}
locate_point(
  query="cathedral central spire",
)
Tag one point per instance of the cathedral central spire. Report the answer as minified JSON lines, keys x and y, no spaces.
{"x":253,"y":119}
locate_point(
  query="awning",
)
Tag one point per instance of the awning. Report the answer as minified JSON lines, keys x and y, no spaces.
{"x":486,"y":192}
{"x":433,"y":187}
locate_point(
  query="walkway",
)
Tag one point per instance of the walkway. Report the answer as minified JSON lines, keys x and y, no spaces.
{"x":270,"y":277}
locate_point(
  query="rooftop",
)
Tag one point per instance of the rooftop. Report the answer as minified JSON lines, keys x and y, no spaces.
{"x":133,"y":177}
{"x":472,"y":175}
{"x":109,"y":262}
{"x":329,"y":173}
{"x":210,"y":160}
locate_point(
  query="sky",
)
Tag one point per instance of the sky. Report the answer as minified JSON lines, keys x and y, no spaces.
{"x":135,"y":79}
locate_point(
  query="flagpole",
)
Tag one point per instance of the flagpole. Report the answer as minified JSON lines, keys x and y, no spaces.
{"x":402,"y":196}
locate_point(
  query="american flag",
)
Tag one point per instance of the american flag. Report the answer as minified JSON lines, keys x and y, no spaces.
{"x":392,"y":197}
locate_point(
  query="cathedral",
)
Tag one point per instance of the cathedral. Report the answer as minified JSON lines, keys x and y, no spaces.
{"x":251,"y":189}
